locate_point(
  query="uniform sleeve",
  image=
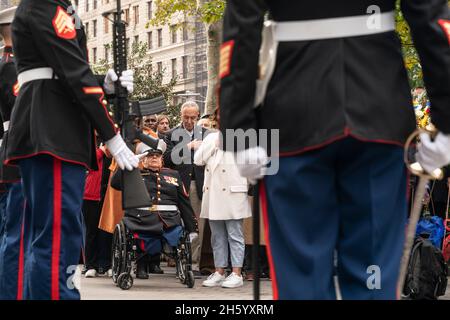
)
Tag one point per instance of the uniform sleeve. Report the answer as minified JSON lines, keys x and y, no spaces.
{"x":186,"y":211}
{"x":430,"y":27}
{"x":57,"y":41}
{"x":8,"y":90}
{"x":239,"y":54}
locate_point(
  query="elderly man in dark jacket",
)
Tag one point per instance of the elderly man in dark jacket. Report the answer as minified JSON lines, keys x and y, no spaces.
{"x":182,"y":142}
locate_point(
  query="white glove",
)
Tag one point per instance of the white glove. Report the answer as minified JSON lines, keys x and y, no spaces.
{"x":193,"y":236}
{"x":252,"y":163}
{"x":122,"y":154}
{"x":162,"y":145}
{"x":126,"y":80}
{"x":433,"y":154}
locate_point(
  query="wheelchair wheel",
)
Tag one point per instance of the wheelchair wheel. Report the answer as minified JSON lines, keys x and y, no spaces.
{"x":119,"y":252}
{"x":125,"y":281}
{"x":180,"y":268}
{"x":190,"y":279}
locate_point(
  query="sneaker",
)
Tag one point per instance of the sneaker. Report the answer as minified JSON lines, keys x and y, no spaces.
{"x":91,"y":273}
{"x":214,"y":280}
{"x":233,"y":281}
{"x":109,"y":273}
{"x":83,"y":269}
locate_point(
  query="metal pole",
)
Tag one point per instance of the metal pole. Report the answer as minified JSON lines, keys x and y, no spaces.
{"x":256,"y":238}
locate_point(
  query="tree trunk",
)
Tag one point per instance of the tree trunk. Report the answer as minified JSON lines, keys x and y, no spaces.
{"x":214,"y":32}
{"x":214,"y":39}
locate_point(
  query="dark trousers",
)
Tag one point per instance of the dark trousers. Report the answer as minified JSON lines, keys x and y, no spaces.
{"x":348,"y":197}
{"x":12,"y":245}
{"x":97,"y":242}
{"x":54,"y":192}
{"x":3,"y":197}
{"x":263,"y":262}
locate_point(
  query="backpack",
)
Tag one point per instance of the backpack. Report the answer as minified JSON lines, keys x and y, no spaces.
{"x":426,"y":278}
{"x":431,"y":228}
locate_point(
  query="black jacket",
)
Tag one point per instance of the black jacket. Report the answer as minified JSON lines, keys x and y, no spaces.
{"x":324,"y":90}
{"x":55,"y":117}
{"x":8,"y":93}
{"x":176,"y":139}
{"x":165,"y":188}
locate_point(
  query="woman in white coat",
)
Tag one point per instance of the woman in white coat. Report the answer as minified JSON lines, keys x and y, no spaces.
{"x":225,"y":203}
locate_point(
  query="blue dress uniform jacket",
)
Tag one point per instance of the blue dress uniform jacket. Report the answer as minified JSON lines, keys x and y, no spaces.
{"x":8,"y":93}
{"x":165,"y":188}
{"x":56,"y":117}
{"x":328,"y":89}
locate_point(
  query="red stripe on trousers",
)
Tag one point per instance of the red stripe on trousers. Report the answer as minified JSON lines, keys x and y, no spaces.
{"x":21,"y":258}
{"x":262,"y":193}
{"x":56,"y":243}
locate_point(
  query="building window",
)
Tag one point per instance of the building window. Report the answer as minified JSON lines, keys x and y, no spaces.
{"x":86,"y":29}
{"x":174,"y":68}
{"x":149,"y":10}
{"x":136,"y":14}
{"x":87,"y":5}
{"x":76,"y":4}
{"x":185,"y":32}
{"x":160,"y":67}
{"x":106,"y":53}
{"x":95,"y":28}
{"x":136,"y":39}
{"x":127,"y":15}
{"x":185,"y":67}
{"x":95,"y":4}
{"x":94,"y":55}
{"x":106,"y":25}
{"x":150,"y":40}
{"x":160,"y":38}
{"x":174,"y":34}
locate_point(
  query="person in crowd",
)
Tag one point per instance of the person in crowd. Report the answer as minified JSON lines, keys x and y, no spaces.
{"x":204,"y":123}
{"x":163,"y":124}
{"x":182,"y":141}
{"x":151,"y":122}
{"x":225,"y":204}
{"x":95,"y":240}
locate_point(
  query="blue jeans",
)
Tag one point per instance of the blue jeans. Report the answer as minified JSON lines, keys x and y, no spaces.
{"x":226,"y":233}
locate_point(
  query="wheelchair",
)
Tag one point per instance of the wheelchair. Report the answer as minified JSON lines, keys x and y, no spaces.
{"x":126,"y":252}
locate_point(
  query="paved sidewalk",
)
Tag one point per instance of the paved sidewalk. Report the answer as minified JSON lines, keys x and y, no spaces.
{"x":167,"y":287}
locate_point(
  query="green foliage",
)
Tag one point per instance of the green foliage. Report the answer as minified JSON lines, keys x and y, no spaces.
{"x":412,"y":60}
{"x":212,"y":11}
{"x":209,"y":11}
{"x":411,"y":57}
{"x":148,"y":83}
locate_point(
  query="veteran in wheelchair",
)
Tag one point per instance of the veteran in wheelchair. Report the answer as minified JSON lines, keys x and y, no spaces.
{"x":167,"y":227}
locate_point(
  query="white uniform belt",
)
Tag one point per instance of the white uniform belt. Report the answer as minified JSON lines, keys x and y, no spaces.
{"x":5,"y":126}
{"x":35,"y":74}
{"x":160,"y":207}
{"x":344,"y":27}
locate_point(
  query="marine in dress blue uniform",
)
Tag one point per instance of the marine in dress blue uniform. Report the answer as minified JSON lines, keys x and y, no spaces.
{"x":339,"y":96}
{"x":51,"y":138}
{"x":12,"y":244}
